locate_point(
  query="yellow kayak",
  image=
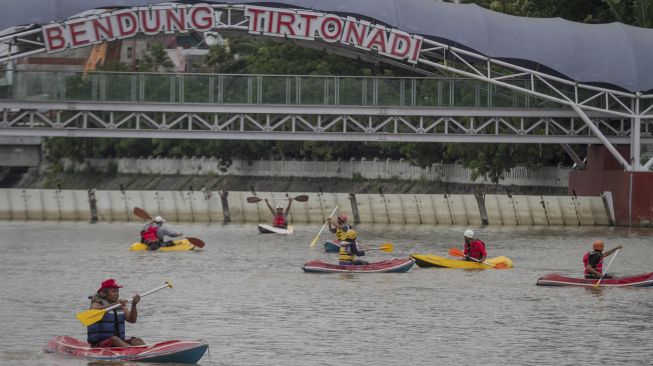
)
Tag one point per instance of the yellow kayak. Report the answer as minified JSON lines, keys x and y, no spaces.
{"x":180,"y":246}
{"x":432,"y":260}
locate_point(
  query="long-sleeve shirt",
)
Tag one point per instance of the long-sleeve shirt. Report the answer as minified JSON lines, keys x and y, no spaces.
{"x":164,"y":230}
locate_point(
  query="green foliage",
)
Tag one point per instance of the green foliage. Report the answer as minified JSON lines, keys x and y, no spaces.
{"x":424,"y":154}
{"x":251,"y":56}
{"x":112,"y":168}
{"x":491,"y":161}
{"x":634,"y":12}
{"x":574,"y":10}
{"x":113,"y":66}
{"x":156,"y":60}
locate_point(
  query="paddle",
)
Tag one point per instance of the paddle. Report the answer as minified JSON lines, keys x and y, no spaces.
{"x":606,"y":268}
{"x":300,"y":198}
{"x":386,"y":247}
{"x":142,"y":213}
{"x":196,"y":242}
{"x":455,"y":252}
{"x":146,"y":216}
{"x":323,"y":226}
{"x":93,"y":316}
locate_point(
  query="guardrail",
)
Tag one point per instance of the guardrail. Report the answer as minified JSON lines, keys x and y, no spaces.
{"x":305,"y":90}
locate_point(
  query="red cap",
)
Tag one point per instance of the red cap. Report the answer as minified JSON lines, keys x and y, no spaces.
{"x":110,"y":283}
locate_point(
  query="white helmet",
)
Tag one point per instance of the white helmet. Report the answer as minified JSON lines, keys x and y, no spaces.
{"x":159,"y":219}
{"x":469,"y":234}
{"x":279,"y":207}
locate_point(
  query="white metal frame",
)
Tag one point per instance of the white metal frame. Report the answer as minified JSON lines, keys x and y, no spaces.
{"x":582,"y":98}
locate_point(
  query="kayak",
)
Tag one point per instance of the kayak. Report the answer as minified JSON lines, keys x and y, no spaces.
{"x":432,"y":260}
{"x":180,"y":246}
{"x":268,"y":229}
{"x":332,"y":246}
{"x":398,"y":265}
{"x":554,"y":279}
{"x":187,"y":352}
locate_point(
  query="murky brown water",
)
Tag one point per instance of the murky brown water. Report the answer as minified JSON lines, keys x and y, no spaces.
{"x":247,"y":296}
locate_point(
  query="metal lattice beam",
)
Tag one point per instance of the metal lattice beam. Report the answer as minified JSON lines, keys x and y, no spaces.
{"x":331,"y":127}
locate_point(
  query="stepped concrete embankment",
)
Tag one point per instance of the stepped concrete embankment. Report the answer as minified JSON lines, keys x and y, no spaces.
{"x":232,"y":206}
{"x":375,"y":192}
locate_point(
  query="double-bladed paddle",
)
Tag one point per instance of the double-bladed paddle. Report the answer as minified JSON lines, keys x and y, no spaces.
{"x":300,"y":198}
{"x":455,"y":252}
{"x":146,"y":216}
{"x":93,"y":316}
{"x":317,"y":237}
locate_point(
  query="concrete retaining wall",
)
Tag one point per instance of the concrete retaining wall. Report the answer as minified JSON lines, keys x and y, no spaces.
{"x":218,"y":207}
{"x":369,"y":169}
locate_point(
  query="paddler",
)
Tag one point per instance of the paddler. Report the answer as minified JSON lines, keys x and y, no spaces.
{"x":280,"y":217}
{"x":474,"y":248}
{"x":593,"y":261}
{"x":110,"y":331}
{"x":154,"y":233}
{"x":340,"y":227}
{"x":349,"y":249}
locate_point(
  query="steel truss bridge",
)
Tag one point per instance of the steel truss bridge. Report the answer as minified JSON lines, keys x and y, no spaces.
{"x":463,"y":97}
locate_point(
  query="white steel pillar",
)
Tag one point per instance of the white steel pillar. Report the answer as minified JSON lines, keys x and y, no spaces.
{"x":595,"y":130}
{"x":635,"y":134}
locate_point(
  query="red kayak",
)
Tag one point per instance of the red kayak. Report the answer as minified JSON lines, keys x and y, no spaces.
{"x":555,"y":279}
{"x":394,"y":265}
{"x":187,"y":352}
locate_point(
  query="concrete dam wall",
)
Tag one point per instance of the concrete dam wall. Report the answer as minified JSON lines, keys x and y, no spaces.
{"x":221,"y":207}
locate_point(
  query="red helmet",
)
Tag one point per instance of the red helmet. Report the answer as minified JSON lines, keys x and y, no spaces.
{"x":342,"y":217}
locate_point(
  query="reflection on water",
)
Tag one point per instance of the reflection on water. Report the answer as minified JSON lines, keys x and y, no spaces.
{"x":595,"y":291}
{"x":247,"y":296}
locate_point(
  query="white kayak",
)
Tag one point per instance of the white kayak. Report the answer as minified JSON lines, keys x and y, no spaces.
{"x":268,"y":229}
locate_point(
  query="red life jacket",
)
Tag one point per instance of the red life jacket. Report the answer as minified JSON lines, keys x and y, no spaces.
{"x":586,"y":261}
{"x":150,"y":233}
{"x":279,"y":220}
{"x":475,"y":249}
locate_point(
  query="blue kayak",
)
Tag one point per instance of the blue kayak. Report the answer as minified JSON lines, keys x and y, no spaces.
{"x":332,"y":246}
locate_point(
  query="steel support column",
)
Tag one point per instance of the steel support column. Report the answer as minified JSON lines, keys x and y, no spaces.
{"x":635,"y":138}
{"x":572,"y":154}
{"x":601,"y":137}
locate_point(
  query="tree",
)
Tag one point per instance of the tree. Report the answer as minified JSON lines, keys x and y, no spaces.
{"x":634,"y":12}
{"x":156,"y":59}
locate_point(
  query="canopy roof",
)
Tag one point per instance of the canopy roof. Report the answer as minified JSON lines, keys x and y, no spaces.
{"x":614,"y":54}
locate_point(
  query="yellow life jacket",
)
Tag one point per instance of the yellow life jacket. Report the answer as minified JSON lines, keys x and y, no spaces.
{"x":340,"y":233}
{"x":345,"y":256}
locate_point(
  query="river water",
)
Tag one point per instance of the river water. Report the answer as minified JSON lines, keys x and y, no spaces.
{"x":248,"y":297}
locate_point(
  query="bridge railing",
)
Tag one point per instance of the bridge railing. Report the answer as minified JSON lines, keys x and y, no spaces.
{"x":305,"y":90}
